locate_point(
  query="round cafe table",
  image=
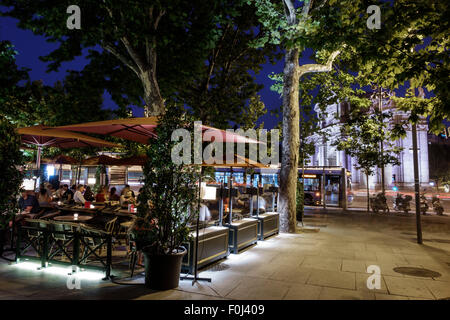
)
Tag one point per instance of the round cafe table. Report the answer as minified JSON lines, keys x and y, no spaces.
{"x":71,"y":218}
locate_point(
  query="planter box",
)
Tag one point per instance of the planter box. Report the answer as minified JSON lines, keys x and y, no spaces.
{"x":243,"y":233}
{"x":212,"y":246}
{"x":268,"y":224}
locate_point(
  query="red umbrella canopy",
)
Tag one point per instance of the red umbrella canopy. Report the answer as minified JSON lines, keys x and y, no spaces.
{"x":43,"y":136}
{"x":134,"y":129}
{"x":141,"y":129}
{"x":61,"y":159}
{"x":101,"y":160}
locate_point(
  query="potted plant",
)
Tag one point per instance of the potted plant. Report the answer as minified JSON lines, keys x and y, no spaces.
{"x":165,"y":203}
{"x":11,"y":178}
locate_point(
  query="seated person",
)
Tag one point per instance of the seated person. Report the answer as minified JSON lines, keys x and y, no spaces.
{"x":262,"y":203}
{"x":59,"y":193}
{"x":28,"y":203}
{"x":50,"y":190}
{"x":78,"y":196}
{"x":102,"y":195}
{"x":67,"y":194}
{"x":126,"y":189}
{"x":204,"y":214}
{"x":127,"y":198}
{"x":88,"y":194}
{"x":43,"y":198}
{"x":113,"y":196}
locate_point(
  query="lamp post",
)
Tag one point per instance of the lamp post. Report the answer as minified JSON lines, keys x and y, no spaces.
{"x":380,"y":107}
{"x":416,"y":183}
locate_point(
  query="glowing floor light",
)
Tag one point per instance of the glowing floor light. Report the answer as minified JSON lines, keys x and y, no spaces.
{"x":60,"y":270}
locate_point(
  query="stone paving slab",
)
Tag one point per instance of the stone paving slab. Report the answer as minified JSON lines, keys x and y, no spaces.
{"x":328,"y":264}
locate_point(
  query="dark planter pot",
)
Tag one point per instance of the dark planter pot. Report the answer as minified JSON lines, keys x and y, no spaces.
{"x":2,"y":240}
{"x":162,"y":271}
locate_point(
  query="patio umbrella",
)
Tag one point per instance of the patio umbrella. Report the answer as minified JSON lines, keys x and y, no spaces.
{"x":141,"y":129}
{"x":42,"y":136}
{"x":138,"y":160}
{"x":101,"y":160}
{"x":61,"y":159}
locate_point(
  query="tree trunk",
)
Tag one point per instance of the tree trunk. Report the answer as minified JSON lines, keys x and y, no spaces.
{"x":290,"y":144}
{"x":368,"y":195}
{"x":154,"y":103}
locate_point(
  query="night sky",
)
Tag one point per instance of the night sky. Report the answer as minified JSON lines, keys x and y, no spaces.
{"x":31,"y":47}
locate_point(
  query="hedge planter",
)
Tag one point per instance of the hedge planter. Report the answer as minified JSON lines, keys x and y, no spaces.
{"x":2,"y":240}
{"x":162,"y":271}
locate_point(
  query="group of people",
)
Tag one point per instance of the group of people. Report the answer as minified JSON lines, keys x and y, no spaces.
{"x":32,"y":203}
{"x":205,"y":214}
{"x":84,"y":193}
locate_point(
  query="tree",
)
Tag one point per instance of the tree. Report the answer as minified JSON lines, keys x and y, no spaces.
{"x":11,"y":177}
{"x":159,"y":42}
{"x":225,"y":90}
{"x":77,"y":98}
{"x":291,"y":27}
{"x":361,"y":136}
{"x":169,"y":192}
{"x":388,"y":56}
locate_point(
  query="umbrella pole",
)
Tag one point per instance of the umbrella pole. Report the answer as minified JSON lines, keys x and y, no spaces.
{"x":257,"y":195}
{"x":195,"y":278}
{"x":251,"y":194}
{"x":221,"y":205}
{"x":230,"y":218}
{"x":38,"y":165}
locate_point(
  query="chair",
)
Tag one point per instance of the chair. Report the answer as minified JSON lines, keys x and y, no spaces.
{"x":34,"y":237}
{"x":60,"y":239}
{"x":93,"y":240}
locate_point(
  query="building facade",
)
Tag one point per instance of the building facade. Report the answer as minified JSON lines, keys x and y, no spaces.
{"x":402,"y":176}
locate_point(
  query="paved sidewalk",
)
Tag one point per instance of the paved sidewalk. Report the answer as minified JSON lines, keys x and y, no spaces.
{"x":328,"y":259}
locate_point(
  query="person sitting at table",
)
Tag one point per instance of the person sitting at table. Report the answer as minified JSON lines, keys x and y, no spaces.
{"x":43,"y":198}
{"x":126,"y":189}
{"x":127,"y":198}
{"x":113,"y":196}
{"x":204,"y":214}
{"x":78,"y":196}
{"x":67,"y":193}
{"x":59,"y":193}
{"x":262,"y":203}
{"x":102,"y":195}
{"x":88,"y":194}
{"x":28,"y":203}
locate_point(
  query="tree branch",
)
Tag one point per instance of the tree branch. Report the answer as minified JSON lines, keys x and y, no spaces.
{"x":289,"y":12}
{"x":133,"y":54}
{"x":121,"y":57}
{"x":312,"y":68}
{"x":307,"y":4}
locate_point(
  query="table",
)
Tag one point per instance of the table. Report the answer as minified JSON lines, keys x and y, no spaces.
{"x":71,"y":218}
{"x":126,"y":224}
{"x":81,"y":209}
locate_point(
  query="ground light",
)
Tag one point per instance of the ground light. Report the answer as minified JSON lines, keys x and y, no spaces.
{"x":60,"y":270}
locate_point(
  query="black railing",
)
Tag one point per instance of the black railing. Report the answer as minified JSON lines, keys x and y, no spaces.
{"x":48,"y":243}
